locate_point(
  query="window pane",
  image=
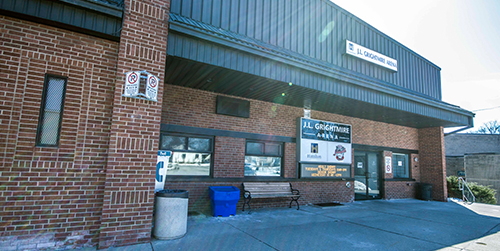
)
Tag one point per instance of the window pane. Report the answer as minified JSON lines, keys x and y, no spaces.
{"x":189,"y":164}
{"x":400,"y":166}
{"x":54,"y":94}
{"x":199,"y":144}
{"x":51,"y":111}
{"x":273,"y":149}
{"x":255,"y":148}
{"x":262,"y":166}
{"x":50,"y":128}
{"x":173,"y":143}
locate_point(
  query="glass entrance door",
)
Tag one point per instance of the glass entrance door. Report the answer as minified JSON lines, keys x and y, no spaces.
{"x":366,"y":174}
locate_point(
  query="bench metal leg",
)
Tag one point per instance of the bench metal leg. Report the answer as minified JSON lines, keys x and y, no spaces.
{"x":247,"y":202}
{"x":296,"y":201}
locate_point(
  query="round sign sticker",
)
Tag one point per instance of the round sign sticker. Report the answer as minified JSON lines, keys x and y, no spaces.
{"x":132,"y":78}
{"x":152,"y":82}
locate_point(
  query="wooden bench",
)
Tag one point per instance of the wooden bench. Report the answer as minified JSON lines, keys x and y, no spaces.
{"x":257,"y":190}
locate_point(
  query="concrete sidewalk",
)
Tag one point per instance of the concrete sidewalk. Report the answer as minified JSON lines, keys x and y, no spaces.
{"x":367,"y":225}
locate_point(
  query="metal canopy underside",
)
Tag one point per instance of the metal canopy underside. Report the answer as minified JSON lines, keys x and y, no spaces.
{"x":207,"y":77}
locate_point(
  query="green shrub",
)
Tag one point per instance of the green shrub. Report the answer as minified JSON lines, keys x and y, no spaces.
{"x":453,"y":191}
{"x":484,"y":194}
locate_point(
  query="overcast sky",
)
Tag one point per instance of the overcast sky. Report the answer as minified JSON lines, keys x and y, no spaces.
{"x":460,"y":36}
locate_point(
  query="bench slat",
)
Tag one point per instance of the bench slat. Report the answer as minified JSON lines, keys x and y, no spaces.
{"x":271,"y":195}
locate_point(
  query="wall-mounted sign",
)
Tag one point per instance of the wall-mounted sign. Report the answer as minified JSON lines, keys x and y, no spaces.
{"x":142,"y":85}
{"x":371,"y":56}
{"x":152,"y":87}
{"x":388,"y":164}
{"x":324,"y":171}
{"x":132,"y":80}
{"x":323,"y":142}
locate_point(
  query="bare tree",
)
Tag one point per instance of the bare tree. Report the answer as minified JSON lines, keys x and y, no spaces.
{"x":492,"y":127}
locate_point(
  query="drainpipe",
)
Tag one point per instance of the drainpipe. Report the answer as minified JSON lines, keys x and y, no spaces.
{"x":459,"y":130}
{"x":470,"y":125}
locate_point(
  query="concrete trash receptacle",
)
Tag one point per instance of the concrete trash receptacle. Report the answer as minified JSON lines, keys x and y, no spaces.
{"x":171,"y":211}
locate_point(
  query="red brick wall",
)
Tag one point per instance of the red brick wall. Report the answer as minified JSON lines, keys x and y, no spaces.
{"x":191,"y":107}
{"x":229,"y":157}
{"x":415,"y":167}
{"x":290,"y":161}
{"x":52,"y":197}
{"x":432,"y":161}
{"x":311,"y":193}
{"x":400,"y":189}
{"x":135,"y":129}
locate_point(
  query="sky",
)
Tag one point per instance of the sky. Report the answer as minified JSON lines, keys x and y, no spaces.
{"x":462,"y":37}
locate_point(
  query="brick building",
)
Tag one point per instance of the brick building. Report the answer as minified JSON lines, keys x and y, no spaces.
{"x":79,"y":155}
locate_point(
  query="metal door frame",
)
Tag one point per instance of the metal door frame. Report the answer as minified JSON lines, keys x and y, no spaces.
{"x":379,"y":168}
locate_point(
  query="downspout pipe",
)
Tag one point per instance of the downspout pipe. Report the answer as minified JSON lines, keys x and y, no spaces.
{"x":459,"y":130}
{"x":470,"y":125}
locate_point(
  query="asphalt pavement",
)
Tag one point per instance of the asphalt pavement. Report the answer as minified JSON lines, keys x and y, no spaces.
{"x":363,"y":225}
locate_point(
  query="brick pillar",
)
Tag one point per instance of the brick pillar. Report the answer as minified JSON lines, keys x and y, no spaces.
{"x":432,"y":161}
{"x":131,"y":164}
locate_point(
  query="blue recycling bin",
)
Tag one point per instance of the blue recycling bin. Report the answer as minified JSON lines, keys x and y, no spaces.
{"x":224,"y":200}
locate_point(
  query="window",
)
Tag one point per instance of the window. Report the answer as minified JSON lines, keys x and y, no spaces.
{"x":263,"y":158}
{"x":191,"y":155}
{"x":51,"y":110}
{"x":400,"y":165}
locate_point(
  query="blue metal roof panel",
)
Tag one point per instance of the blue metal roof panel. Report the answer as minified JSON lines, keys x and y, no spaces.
{"x":316,"y":29}
{"x":178,"y":21}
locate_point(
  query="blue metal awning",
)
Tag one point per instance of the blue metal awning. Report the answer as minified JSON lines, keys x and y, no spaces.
{"x":315,"y":83}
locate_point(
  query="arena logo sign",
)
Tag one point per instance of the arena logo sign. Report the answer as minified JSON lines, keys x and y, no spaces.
{"x":361,"y":52}
{"x":326,"y":144}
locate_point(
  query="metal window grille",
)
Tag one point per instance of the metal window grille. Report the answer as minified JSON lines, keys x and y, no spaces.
{"x":51,"y":110}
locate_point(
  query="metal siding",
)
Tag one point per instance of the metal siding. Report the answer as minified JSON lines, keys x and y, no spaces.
{"x":296,"y":25}
{"x":300,"y":28}
{"x":329,"y":49}
{"x":323,"y":32}
{"x":216,"y":13}
{"x":206,"y":11}
{"x":186,"y":8}
{"x":266,"y":22}
{"x":234,"y":16}
{"x":281,"y":24}
{"x":196,"y":11}
{"x":69,"y":16}
{"x":287,"y":25}
{"x":252,"y":21}
{"x":225,"y":14}
{"x":242,"y":21}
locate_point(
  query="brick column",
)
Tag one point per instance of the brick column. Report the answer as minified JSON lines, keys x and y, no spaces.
{"x":432,"y":161}
{"x":130,"y":172}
